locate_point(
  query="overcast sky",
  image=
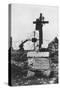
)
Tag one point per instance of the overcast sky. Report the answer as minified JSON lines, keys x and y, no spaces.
{"x":22,"y":22}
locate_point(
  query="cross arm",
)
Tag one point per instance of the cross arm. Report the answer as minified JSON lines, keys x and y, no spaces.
{"x":40,"y":22}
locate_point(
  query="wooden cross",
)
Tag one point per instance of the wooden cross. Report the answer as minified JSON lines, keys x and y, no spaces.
{"x":39,"y":24}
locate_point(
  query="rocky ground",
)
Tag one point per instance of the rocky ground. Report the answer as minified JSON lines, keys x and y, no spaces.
{"x":23,"y":76}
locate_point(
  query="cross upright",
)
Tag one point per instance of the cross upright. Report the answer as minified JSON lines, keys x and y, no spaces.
{"x":39,"y":24}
